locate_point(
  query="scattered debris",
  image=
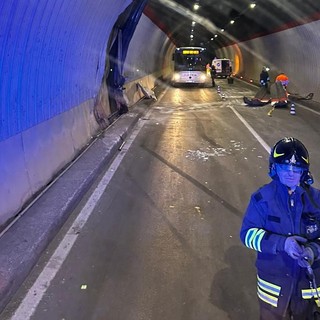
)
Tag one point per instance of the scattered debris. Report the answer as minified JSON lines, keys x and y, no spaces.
{"x":148,"y":93}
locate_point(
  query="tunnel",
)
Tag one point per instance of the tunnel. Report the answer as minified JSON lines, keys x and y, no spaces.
{"x":66,"y":66}
{"x":61,"y":61}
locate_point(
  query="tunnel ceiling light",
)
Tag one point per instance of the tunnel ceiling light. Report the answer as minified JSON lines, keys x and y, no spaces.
{"x":215,"y":35}
{"x":191,"y":36}
{"x":196,"y":7}
{"x":252,"y":5}
{"x":193,"y":23}
{"x":211,"y":39}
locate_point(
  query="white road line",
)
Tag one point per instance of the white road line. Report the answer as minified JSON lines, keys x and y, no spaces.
{"x":255,"y":134}
{"x":32,"y":299}
{"x":34,"y":296}
{"x":306,"y":108}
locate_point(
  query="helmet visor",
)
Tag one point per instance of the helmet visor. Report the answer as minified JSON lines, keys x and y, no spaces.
{"x":290,"y":167}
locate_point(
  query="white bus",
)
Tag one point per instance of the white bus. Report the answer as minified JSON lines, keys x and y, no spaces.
{"x":190,"y":66}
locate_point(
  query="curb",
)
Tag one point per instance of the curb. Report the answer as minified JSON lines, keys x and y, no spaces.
{"x":22,"y":245}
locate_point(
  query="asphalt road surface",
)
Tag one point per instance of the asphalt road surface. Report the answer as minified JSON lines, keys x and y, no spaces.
{"x":160,"y":239}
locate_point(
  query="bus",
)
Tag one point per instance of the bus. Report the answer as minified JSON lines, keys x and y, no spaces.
{"x":190,"y":66}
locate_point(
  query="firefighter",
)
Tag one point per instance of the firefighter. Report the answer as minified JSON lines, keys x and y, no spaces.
{"x":264,"y":77}
{"x":282,"y":223}
{"x":283,"y":78}
{"x":213,"y":74}
{"x":279,"y":94}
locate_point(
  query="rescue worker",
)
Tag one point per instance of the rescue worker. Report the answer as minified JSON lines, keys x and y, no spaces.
{"x":283,"y":79}
{"x":282,"y":223}
{"x":279,"y":94}
{"x":213,"y":73}
{"x":208,"y":69}
{"x":264,"y":77}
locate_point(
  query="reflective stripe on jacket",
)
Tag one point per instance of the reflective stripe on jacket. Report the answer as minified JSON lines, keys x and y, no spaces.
{"x":273,"y":215}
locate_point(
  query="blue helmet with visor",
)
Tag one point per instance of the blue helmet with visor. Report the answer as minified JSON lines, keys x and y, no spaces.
{"x":290,"y":152}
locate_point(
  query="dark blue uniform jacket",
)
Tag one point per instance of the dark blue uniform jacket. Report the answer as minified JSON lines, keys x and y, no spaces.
{"x":273,"y":215}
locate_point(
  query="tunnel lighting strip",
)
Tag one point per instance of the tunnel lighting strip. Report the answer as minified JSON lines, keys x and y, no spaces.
{"x":231,"y":22}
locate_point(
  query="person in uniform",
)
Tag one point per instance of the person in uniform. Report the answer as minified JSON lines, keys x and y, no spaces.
{"x":213,"y":73}
{"x":282,"y":224}
{"x":264,"y":78}
{"x":283,"y":78}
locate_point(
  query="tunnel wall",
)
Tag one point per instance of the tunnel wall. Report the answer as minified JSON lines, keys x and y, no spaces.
{"x":52,"y":57}
{"x":148,"y":58}
{"x":52,"y":63}
{"x":294,"y":51}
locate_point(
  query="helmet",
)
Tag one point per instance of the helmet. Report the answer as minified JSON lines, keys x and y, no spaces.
{"x":283,"y":79}
{"x":291,"y":151}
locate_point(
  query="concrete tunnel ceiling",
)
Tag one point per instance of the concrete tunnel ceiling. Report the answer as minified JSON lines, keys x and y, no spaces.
{"x":213,"y":26}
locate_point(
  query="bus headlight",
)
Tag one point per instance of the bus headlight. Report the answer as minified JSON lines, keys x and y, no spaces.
{"x":176,"y":77}
{"x":203,"y":77}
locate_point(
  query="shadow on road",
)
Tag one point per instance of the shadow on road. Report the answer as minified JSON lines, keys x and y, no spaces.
{"x":233,"y":289}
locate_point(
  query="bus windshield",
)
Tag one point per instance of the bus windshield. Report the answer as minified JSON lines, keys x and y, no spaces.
{"x":190,"y":66}
{"x":188,"y":62}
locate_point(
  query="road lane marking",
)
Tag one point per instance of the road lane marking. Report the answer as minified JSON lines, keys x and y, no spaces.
{"x":306,"y":108}
{"x":29,"y":304}
{"x":255,"y":134}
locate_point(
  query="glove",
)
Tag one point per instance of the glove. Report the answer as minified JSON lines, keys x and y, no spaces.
{"x":307,"y":258}
{"x":293,"y":247}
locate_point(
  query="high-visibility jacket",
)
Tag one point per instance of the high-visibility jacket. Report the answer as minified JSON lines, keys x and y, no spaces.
{"x":273,"y":215}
